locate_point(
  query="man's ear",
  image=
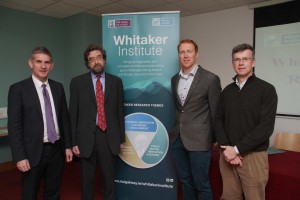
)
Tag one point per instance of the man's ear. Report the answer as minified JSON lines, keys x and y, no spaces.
{"x":30,"y":64}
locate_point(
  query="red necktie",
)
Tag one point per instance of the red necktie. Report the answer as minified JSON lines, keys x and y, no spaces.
{"x":100,"y":105}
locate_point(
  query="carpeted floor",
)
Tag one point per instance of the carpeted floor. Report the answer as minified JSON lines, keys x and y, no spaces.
{"x":10,"y":184}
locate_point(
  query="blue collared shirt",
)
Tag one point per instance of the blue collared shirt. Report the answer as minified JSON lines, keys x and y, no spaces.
{"x":185,"y":83}
{"x":102,"y":80}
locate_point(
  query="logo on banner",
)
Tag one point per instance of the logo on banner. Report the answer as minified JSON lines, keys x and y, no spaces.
{"x":163,"y":21}
{"x":147,"y":141}
{"x":117,"y":23}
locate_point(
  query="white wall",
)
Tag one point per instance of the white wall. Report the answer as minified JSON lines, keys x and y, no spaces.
{"x":216,"y":33}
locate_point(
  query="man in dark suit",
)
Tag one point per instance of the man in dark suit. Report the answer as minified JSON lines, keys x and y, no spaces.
{"x":196,"y":92}
{"x":39,"y":156}
{"x":97,"y":132}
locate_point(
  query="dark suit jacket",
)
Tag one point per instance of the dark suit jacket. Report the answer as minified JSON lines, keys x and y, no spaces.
{"x":25,"y":120}
{"x":83,"y":111}
{"x":193,"y":120}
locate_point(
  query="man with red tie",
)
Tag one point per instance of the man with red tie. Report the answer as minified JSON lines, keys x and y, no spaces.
{"x":97,"y":122}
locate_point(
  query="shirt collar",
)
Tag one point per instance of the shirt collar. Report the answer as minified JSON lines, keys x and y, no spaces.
{"x":192,"y":73}
{"x":102,"y":75}
{"x":39,"y":83}
{"x":240,"y":85}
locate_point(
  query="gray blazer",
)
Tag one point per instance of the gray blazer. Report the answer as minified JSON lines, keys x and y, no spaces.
{"x":193,"y":120}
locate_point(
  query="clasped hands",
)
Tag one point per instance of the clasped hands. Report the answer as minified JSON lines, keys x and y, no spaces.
{"x":232,"y":156}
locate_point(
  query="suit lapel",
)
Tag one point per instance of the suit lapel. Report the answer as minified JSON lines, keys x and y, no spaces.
{"x":108,"y":83}
{"x":35,"y":97}
{"x":54,"y":96}
{"x":195,"y":82}
{"x":88,"y":82}
{"x":176,"y":81}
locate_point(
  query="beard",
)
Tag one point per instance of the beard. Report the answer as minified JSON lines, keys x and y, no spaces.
{"x":97,"y":69}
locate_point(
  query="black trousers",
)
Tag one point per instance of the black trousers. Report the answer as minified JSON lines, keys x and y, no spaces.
{"x":49,"y":170}
{"x":102,"y":156}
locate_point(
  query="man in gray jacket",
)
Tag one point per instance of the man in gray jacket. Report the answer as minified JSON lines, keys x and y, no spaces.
{"x":196,"y":92}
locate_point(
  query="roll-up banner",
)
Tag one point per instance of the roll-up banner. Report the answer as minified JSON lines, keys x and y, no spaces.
{"x":141,"y":49}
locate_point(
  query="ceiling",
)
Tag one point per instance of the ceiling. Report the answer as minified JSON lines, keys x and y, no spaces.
{"x":66,"y":8}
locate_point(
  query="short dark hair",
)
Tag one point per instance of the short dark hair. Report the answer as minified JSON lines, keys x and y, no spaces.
{"x":188,"y":41}
{"x":42,"y":50}
{"x":243,"y":47}
{"x":93,"y":47}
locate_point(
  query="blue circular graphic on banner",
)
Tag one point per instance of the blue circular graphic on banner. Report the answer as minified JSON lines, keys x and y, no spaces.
{"x":146,"y":143}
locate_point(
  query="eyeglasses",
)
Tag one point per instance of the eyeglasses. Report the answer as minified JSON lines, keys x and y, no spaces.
{"x":238,"y":60}
{"x":94,"y":59}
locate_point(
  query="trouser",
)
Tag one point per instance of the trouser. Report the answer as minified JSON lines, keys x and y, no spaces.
{"x":103,"y":157}
{"x":49,"y":169}
{"x":193,"y":170}
{"x":248,"y":181}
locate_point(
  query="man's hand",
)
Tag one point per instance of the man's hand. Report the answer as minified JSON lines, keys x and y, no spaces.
{"x":122,"y":146}
{"x":236,"y":161}
{"x":229,"y":153}
{"x":232,"y":156}
{"x":69,"y":155}
{"x":76,"y":151}
{"x":23,"y":165}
